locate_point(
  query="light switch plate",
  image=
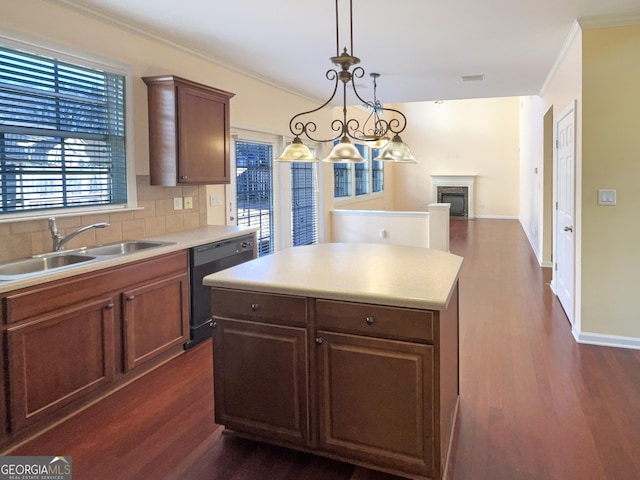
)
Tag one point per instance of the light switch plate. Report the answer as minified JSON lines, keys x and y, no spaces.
{"x":177,"y":203}
{"x":606,"y":197}
{"x":188,"y":203}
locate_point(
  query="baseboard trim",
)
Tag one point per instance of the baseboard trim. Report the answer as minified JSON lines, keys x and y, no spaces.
{"x":498,"y":217}
{"x":605,"y":340}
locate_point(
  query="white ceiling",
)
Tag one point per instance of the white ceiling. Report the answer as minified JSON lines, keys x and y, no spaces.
{"x":421,"y":48}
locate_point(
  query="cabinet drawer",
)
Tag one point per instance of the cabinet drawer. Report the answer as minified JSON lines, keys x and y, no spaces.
{"x":374,"y":320}
{"x":260,"y":307}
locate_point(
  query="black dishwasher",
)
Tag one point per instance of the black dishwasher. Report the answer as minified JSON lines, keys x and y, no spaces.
{"x":206,"y":259}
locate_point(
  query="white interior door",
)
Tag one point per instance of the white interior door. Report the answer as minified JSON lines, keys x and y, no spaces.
{"x":565,"y":206}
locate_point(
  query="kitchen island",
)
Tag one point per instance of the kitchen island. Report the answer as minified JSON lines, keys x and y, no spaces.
{"x":349,"y":351}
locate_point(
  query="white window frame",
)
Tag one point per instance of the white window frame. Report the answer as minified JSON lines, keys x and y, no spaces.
{"x":83,"y":59}
{"x":283,"y":171}
{"x":282,"y":234}
{"x":353,"y":198}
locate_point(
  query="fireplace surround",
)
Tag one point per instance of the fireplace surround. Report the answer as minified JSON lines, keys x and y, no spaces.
{"x":456,"y":190}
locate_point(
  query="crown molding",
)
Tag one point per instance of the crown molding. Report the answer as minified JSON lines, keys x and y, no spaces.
{"x":568,"y":41}
{"x":604,"y":21}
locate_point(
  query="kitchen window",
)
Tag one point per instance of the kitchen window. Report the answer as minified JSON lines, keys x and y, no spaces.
{"x":281,"y":199}
{"x":358,"y":180}
{"x":62,"y":135}
{"x":254,"y":191}
{"x":304,"y":204}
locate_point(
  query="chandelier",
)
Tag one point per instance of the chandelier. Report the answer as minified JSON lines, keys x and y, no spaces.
{"x":347,"y":129}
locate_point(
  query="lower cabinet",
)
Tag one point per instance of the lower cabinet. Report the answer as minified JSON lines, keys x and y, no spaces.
{"x":59,"y":358}
{"x":150,"y":313}
{"x":376,"y":400}
{"x":69,"y":342}
{"x":261,"y":379}
{"x":367,"y":384}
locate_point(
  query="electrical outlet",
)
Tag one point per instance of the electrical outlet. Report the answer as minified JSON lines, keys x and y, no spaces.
{"x":177,"y":203}
{"x":215,"y":200}
{"x":188,"y":203}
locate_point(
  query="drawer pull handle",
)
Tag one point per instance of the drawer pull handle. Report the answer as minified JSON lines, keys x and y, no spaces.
{"x":255,"y":306}
{"x":370,"y":320}
{"x":109,"y":306}
{"x":319,"y":340}
{"x":130,"y":299}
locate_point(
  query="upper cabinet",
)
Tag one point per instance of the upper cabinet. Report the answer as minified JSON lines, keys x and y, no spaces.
{"x":188,"y":132}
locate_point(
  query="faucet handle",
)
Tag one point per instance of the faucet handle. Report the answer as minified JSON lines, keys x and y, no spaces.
{"x":53,"y":228}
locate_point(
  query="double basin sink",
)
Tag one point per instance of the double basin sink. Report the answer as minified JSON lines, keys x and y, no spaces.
{"x":49,"y":262}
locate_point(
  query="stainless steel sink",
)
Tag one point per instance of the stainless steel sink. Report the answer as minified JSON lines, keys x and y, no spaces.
{"x":40,"y":264}
{"x":123,"y":248}
{"x":48,"y":262}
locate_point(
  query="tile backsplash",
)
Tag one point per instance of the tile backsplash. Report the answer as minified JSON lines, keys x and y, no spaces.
{"x":156,"y":216}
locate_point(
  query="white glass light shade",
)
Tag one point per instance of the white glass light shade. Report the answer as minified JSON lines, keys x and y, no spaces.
{"x":396,"y":151}
{"x":297,"y":152}
{"x":375,"y":141}
{"x":344,"y":151}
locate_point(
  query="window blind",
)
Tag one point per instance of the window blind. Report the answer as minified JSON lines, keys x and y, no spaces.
{"x":62,"y":134}
{"x":304,"y":227}
{"x":254,"y":177}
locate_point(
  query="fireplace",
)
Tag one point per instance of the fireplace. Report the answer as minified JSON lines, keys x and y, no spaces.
{"x":457,"y":197}
{"x":456,"y":190}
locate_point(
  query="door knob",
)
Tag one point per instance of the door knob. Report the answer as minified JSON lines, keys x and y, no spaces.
{"x":568,"y":229}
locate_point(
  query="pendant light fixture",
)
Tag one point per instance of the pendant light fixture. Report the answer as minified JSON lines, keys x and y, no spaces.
{"x":347,"y":129}
{"x":373,"y":135}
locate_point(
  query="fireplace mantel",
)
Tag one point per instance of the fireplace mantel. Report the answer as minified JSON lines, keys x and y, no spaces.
{"x":455,"y":181}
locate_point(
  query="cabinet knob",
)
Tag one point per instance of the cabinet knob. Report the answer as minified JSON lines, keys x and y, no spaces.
{"x":370,"y":320}
{"x":109,"y":306}
{"x":183,"y":177}
{"x":130,"y":298}
{"x":213,"y":324}
{"x":319,"y":340}
{"x":255,"y":306}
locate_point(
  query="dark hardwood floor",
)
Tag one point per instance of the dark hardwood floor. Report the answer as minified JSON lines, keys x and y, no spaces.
{"x":535,"y":405}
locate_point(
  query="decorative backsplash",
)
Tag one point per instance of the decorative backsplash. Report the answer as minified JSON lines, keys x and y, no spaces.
{"x":155,"y":217}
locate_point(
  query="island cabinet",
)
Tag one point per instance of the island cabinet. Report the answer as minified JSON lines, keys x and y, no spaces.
{"x":260,"y":363}
{"x":70,"y":341}
{"x":370,"y":384}
{"x":189,"y":142}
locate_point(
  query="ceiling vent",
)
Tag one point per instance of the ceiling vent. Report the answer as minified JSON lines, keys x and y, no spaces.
{"x":472,"y":78}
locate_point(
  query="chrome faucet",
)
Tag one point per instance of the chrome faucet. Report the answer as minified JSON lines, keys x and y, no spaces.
{"x":59,"y":240}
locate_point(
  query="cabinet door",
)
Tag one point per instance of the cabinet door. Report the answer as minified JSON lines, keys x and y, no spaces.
{"x":376,"y":401}
{"x":260,"y":379}
{"x":59,"y":358}
{"x":156,"y":318}
{"x":203,"y":136}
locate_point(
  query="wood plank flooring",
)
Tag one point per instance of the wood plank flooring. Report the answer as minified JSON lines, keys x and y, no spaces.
{"x":535,"y":405}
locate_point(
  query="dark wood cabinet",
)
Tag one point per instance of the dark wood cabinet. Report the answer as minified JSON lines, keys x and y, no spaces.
{"x":189,"y":126}
{"x":377,"y":384}
{"x":261,"y":379}
{"x":59,"y":358}
{"x":376,"y":401}
{"x":70,"y":341}
{"x":156,"y":318}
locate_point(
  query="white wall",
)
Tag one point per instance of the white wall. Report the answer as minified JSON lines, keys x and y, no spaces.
{"x":462,"y":137}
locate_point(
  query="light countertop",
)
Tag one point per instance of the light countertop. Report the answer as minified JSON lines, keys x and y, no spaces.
{"x":181,"y":241}
{"x":382,"y":274}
